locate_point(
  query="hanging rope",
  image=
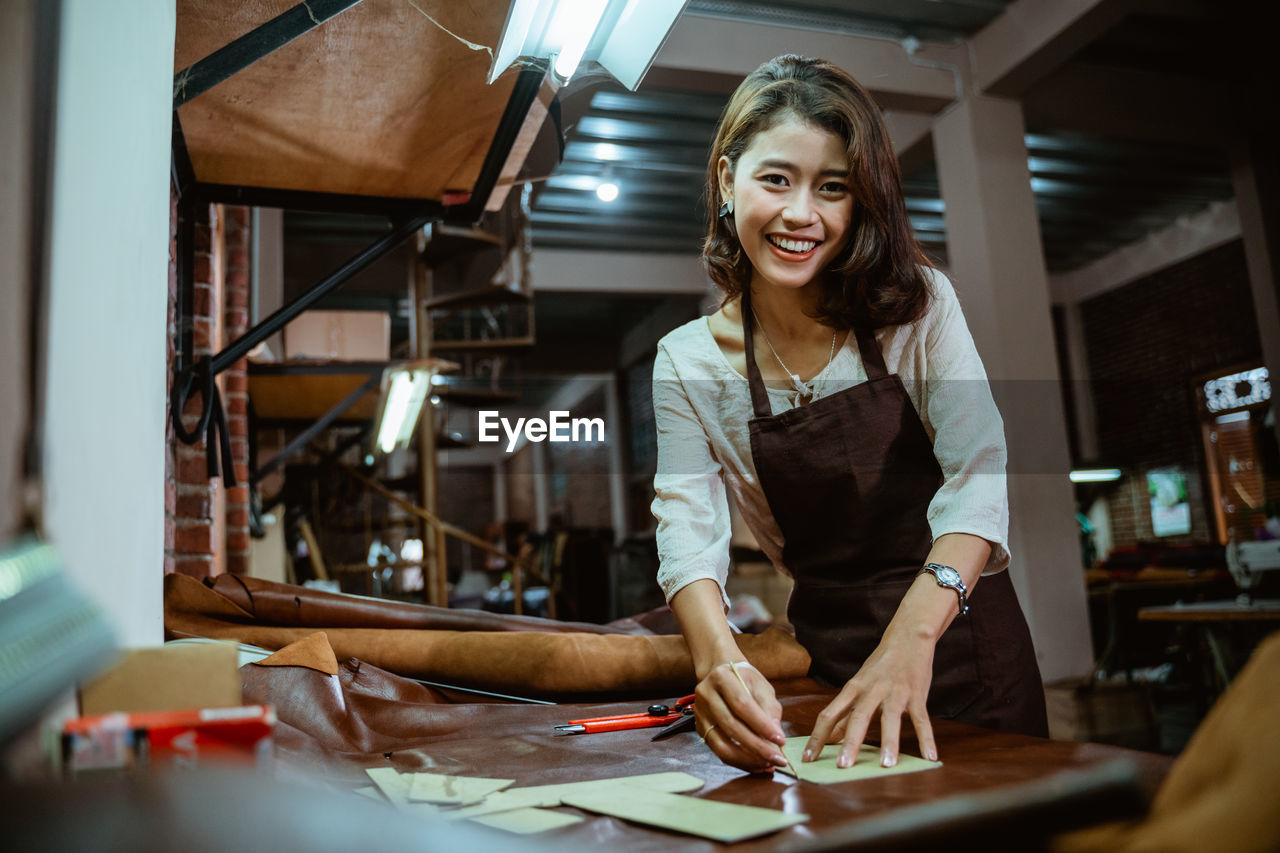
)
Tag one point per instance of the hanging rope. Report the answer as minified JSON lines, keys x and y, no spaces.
{"x":212,"y":423}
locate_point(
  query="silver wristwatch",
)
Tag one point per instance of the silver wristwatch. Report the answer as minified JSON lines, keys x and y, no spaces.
{"x":949,"y":578}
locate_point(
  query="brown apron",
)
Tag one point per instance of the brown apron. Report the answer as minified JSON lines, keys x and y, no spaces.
{"x":849,"y":479}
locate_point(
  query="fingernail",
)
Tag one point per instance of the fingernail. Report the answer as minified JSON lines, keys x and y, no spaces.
{"x":808,"y":755}
{"x":779,"y":759}
{"x":843,"y":761}
{"x":887,"y":759}
{"x":931,"y":754}
{"x":780,"y":738}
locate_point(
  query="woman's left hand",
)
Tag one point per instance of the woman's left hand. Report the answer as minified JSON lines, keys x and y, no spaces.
{"x":893,"y":681}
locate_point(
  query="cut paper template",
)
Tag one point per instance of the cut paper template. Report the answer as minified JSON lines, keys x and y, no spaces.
{"x":867,"y":765}
{"x":528,"y":821}
{"x":393,"y":785}
{"x":724,"y":822}
{"x":547,"y":796}
{"x":444,"y":789}
{"x":520,"y":810}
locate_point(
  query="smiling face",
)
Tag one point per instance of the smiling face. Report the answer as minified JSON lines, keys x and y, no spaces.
{"x":792,"y":205}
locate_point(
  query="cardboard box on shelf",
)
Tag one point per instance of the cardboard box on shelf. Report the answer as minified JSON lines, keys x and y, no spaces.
{"x":338,"y":336}
{"x":178,"y":705}
{"x":168,"y":678}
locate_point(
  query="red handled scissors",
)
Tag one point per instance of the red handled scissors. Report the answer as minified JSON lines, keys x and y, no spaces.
{"x":655,"y":715}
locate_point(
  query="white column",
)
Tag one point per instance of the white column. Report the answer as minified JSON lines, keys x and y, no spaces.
{"x":268,"y":271}
{"x":104,"y":441}
{"x":618,"y":509}
{"x":997,"y":264}
{"x":1081,"y":388}
{"x":541,"y":488}
{"x":500,"y":490}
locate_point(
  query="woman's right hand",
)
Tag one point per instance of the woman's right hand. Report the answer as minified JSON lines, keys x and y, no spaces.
{"x":738,"y":715}
{"x":740,"y":718}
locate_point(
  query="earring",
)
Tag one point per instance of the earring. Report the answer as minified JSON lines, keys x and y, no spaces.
{"x":726,"y":209}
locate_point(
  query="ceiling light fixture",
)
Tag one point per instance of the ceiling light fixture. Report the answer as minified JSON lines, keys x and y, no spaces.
{"x":615,"y":33}
{"x":404,"y":389}
{"x":1095,"y":475}
{"x":607,"y":191}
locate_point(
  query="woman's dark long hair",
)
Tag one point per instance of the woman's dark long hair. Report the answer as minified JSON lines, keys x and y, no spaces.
{"x":881,"y":277}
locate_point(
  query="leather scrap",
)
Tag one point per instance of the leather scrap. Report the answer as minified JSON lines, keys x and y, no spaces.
{"x":313,"y":652}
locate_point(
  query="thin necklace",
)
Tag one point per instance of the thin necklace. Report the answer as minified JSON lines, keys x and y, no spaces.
{"x":805,"y":388}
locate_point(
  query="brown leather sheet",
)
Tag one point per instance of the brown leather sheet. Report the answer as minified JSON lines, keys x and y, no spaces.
{"x":333,"y":727}
{"x":536,"y":658}
{"x":285,"y":605}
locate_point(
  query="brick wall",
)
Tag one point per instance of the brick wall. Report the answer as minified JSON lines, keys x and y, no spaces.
{"x":235,"y":385}
{"x":1147,"y":343}
{"x":207,"y":526}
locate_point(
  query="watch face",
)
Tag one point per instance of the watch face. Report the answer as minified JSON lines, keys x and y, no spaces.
{"x":948,"y":575}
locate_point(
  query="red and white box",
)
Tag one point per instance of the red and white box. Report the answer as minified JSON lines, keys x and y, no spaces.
{"x":169,"y":739}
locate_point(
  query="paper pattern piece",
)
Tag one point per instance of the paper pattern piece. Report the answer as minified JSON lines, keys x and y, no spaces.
{"x":519,"y":810}
{"x":527,"y":821}
{"x":724,"y":822}
{"x":453,"y":790}
{"x":371,"y":792}
{"x":393,"y":785}
{"x":546,"y":796}
{"x":866,"y":766}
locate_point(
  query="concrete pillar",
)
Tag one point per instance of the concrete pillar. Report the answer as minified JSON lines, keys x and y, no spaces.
{"x":500,"y":491}
{"x":997,"y":264}
{"x":1086,"y":417}
{"x":541,"y":487}
{"x":267,"y":257}
{"x":619,"y":511}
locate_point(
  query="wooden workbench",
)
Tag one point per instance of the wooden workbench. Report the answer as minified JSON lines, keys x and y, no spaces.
{"x":1001,"y":775}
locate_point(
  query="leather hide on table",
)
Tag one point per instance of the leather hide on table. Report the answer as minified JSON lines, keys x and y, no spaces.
{"x":509,"y":654}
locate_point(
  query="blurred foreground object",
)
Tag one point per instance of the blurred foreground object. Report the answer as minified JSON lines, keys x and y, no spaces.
{"x":51,"y":636}
{"x":1221,"y":793}
{"x":224,"y":809}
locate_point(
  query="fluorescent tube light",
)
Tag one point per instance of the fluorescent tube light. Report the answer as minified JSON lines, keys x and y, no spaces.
{"x":407,"y":389}
{"x":417,"y":395}
{"x":618,"y":34}
{"x":574,"y":24}
{"x":635,"y":37}
{"x":1095,"y":475}
{"x":395,"y":411}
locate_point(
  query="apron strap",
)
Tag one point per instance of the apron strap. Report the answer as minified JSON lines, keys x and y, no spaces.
{"x":869,"y":350}
{"x":759,"y":396}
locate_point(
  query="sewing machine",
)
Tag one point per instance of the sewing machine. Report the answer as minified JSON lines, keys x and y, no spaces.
{"x":1247,"y":561}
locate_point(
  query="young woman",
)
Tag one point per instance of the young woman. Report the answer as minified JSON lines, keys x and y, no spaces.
{"x":837,"y":398}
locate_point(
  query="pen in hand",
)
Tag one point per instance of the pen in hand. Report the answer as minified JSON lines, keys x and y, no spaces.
{"x":738,"y":676}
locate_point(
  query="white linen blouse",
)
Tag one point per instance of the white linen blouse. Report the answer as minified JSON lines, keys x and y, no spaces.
{"x":702,"y":405}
